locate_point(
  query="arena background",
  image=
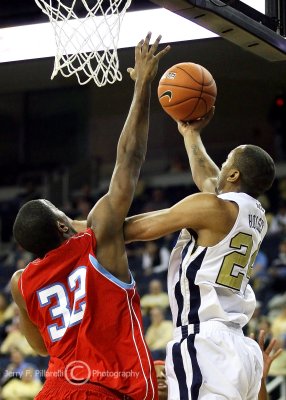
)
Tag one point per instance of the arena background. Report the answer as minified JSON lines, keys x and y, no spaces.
{"x":47,"y":125}
{"x":58,"y":141}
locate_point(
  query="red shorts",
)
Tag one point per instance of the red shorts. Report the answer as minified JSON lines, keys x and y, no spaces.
{"x":60,"y":389}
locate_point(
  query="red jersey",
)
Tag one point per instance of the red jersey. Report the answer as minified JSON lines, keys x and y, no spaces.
{"x":89,"y":320}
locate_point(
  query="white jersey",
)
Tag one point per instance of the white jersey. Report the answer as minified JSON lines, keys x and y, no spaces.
{"x":211,"y":283}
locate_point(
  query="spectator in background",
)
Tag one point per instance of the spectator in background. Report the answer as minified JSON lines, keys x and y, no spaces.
{"x":278,"y":327}
{"x":15,"y":258}
{"x":259,"y":273}
{"x":6,"y":314}
{"x":278,"y":222}
{"x":161,"y":379}
{"x":277,"y":271}
{"x":25,"y":388}
{"x":159,"y":333}
{"x":16,"y":366}
{"x":15,"y":336}
{"x":155,"y":298}
{"x":148,"y":262}
{"x":15,"y":255}
{"x":3,"y":307}
{"x":155,"y":259}
{"x":260,"y":279}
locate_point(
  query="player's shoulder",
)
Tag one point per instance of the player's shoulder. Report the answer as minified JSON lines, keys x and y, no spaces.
{"x":88,"y":234}
{"x":212,"y":205}
{"x":16,"y":277}
{"x":240,"y":200}
{"x":207,"y":199}
{"x":77,"y":242}
{"x":15,"y":287}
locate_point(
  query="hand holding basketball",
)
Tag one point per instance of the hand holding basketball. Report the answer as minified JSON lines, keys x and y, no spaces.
{"x":197,"y":125}
{"x":187,"y":91}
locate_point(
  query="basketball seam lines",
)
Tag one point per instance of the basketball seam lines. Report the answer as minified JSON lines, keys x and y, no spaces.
{"x":183,"y":101}
{"x":182,"y":69}
{"x":184,"y":87}
{"x":202,"y":85}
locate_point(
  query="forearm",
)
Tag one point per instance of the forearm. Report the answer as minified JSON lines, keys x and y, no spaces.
{"x":263,"y":392}
{"x":132,"y":145}
{"x":133,"y":140}
{"x":38,"y":347}
{"x":204,"y":170}
{"x":32,"y":334}
{"x":136,"y":228}
{"x":151,"y":226}
{"x":164,"y":261}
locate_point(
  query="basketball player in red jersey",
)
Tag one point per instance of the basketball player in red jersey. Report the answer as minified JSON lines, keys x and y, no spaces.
{"x":78,"y":302}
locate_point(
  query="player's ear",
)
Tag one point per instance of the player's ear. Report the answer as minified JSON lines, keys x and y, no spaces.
{"x":62,"y":227}
{"x":233,"y":175}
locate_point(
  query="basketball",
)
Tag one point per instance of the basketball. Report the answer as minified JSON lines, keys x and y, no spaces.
{"x":187,"y":91}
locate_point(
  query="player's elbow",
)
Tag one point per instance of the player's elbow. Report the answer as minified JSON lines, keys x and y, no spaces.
{"x":135,"y":158}
{"x":134,"y":153}
{"x":40,"y":349}
{"x":43,"y":353}
{"x":130,"y":234}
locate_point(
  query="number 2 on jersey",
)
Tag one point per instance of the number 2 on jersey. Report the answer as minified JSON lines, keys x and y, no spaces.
{"x":227,"y":275}
{"x":62,"y":309}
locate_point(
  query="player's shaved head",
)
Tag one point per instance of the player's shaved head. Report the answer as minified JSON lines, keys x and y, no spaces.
{"x":35,"y":227}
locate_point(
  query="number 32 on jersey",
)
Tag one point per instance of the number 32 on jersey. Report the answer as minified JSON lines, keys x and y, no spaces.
{"x":70,"y":314}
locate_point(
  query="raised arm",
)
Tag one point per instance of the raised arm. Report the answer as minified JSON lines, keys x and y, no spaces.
{"x":204,"y":170}
{"x":108,"y":215}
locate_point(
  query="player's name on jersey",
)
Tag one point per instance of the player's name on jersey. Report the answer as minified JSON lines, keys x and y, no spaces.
{"x":256,"y":222}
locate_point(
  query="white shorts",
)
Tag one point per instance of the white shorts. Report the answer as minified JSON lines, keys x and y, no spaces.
{"x":217,"y":363}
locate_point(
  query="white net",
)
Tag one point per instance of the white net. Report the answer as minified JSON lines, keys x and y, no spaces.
{"x":86,"y":34}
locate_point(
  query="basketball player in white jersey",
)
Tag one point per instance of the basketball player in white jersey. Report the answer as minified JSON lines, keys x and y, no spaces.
{"x":210,"y":266}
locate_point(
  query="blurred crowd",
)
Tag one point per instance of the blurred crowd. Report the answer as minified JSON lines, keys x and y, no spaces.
{"x":22,"y":372}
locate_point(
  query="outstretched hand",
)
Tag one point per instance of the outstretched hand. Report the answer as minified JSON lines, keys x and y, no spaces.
{"x":197,"y":125}
{"x":269,"y":354}
{"x":146,"y":61}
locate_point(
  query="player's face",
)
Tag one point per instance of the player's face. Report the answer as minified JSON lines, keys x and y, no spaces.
{"x":162,"y":382}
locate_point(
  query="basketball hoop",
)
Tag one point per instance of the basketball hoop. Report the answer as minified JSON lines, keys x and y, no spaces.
{"x":86,"y":38}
